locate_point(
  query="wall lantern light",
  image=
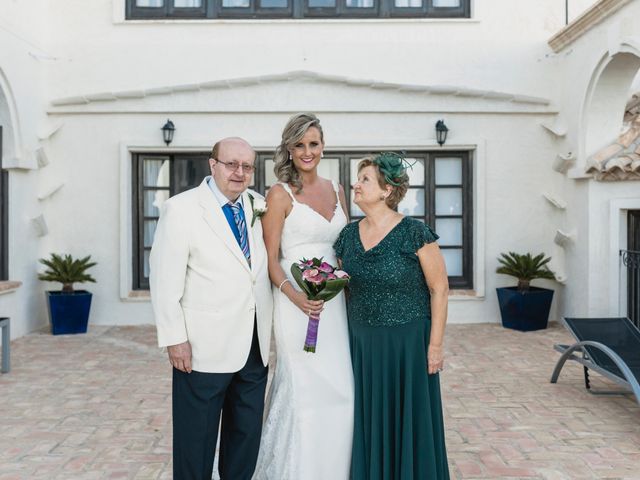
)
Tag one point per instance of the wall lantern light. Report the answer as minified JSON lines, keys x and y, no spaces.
{"x":167,"y":131}
{"x":441,"y":132}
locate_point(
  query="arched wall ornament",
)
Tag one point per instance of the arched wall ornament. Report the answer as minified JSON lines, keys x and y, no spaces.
{"x":12,"y":145}
{"x":602,"y":109}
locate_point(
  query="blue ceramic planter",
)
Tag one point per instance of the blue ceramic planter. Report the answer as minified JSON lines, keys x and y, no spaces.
{"x":69,"y":311}
{"x":525,"y":311}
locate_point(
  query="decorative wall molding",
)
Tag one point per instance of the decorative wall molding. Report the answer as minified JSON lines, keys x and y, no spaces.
{"x":40,"y":225}
{"x":562,"y":238}
{"x":13,"y":163}
{"x":564,"y":162}
{"x":104,"y":99}
{"x":598,"y":12}
{"x":41,"y":157}
{"x":48,"y":192}
{"x":47,"y":131}
{"x":557,"y":128}
{"x":25,"y":161}
{"x":9,"y":286}
{"x":558,"y":264}
{"x":554,"y":200}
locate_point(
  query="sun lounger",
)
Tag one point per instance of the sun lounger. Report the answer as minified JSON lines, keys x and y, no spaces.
{"x":609,"y":346}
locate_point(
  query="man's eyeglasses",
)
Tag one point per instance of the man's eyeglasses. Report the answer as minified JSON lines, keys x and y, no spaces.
{"x":233,"y":166}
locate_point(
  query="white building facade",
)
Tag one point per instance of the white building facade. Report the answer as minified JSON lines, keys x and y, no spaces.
{"x":85,"y":88}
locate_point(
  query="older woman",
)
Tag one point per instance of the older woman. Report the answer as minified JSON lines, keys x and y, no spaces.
{"x":397,"y":311}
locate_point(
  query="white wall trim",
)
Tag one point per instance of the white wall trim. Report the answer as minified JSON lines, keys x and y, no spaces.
{"x":301,"y":75}
{"x":617,"y":209}
{"x":479,"y":219}
{"x":601,"y":61}
{"x":120,"y":20}
{"x":126,"y":247}
{"x":118,"y":11}
{"x":597,"y":13}
{"x":13,"y":157}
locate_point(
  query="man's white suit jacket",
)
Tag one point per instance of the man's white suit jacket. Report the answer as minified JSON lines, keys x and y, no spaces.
{"x":202,"y":287}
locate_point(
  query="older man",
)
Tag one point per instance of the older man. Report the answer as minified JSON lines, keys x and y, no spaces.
{"x":212,"y":301}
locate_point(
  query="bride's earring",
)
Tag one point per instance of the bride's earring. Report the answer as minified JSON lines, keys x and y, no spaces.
{"x":290,"y":157}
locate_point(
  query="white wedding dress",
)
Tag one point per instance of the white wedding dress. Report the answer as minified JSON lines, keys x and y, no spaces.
{"x":309,"y":424}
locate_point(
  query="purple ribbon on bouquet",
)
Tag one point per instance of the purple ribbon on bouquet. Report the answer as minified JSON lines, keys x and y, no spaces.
{"x":312,"y":334}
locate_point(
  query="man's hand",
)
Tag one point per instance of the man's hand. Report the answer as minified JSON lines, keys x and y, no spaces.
{"x":180,"y":356}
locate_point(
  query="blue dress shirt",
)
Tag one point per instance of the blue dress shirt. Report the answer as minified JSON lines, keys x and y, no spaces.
{"x":224,"y":203}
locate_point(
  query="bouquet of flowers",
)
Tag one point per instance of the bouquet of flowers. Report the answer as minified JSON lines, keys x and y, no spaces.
{"x":320,"y":281}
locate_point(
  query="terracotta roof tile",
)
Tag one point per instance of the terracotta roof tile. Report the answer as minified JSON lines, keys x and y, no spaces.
{"x":620,"y":160}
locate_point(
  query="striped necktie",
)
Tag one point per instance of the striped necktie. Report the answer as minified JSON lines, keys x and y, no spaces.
{"x":242,"y":229}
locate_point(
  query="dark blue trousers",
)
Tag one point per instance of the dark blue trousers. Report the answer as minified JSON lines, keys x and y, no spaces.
{"x":199,"y":399}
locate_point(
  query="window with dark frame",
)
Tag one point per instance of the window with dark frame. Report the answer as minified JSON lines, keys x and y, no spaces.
{"x":440,"y":194}
{"x":208,"y":9}
{"x":4,"y":218}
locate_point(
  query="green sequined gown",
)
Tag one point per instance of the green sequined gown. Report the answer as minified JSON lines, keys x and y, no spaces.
{"x":398,"y":429}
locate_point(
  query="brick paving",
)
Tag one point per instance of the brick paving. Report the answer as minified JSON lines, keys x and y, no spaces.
{"x":97,"y":406}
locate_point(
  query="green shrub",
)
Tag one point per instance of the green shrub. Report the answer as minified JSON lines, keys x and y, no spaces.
{"x":525,"y":268}
{"x":66,"y":270}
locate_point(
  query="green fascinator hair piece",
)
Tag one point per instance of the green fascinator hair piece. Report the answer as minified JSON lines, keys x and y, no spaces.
{"x":392,"y":165}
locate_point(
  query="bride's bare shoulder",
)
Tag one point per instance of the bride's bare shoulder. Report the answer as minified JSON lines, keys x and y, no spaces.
{"x":278,"y":196}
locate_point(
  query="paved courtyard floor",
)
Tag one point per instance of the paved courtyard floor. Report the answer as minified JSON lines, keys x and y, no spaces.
{"x":97,"y":406}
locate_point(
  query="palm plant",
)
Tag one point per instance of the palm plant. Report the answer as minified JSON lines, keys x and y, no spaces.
{"x":66,"y":270}
{"x":525,"y":268}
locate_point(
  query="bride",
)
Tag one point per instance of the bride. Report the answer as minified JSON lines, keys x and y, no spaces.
{"x":309,"y":424}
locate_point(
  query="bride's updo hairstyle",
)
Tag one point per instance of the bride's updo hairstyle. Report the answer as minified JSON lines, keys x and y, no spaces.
{"x":293,"y":132}
{"x":391,"y":169}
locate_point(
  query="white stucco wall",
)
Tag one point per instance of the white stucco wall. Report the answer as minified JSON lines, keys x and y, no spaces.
{"x":87,"y":48}
{"x":22,"y":115}
{"x":500,"y":48}
{"x":593,"y":288}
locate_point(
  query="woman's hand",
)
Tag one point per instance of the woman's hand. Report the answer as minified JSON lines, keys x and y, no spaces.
{"x":435,"y":358}
{"x":309,"y":307}
{"x":435,"y":274}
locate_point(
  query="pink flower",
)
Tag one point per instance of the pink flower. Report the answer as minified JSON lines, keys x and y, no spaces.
{"x":317,"y":279}
{"x":325,"y":267}
{"x":309,"y":263}
{"x":331,"y":276}
{"x":341,"y":274}
{"x":307,"y":274}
